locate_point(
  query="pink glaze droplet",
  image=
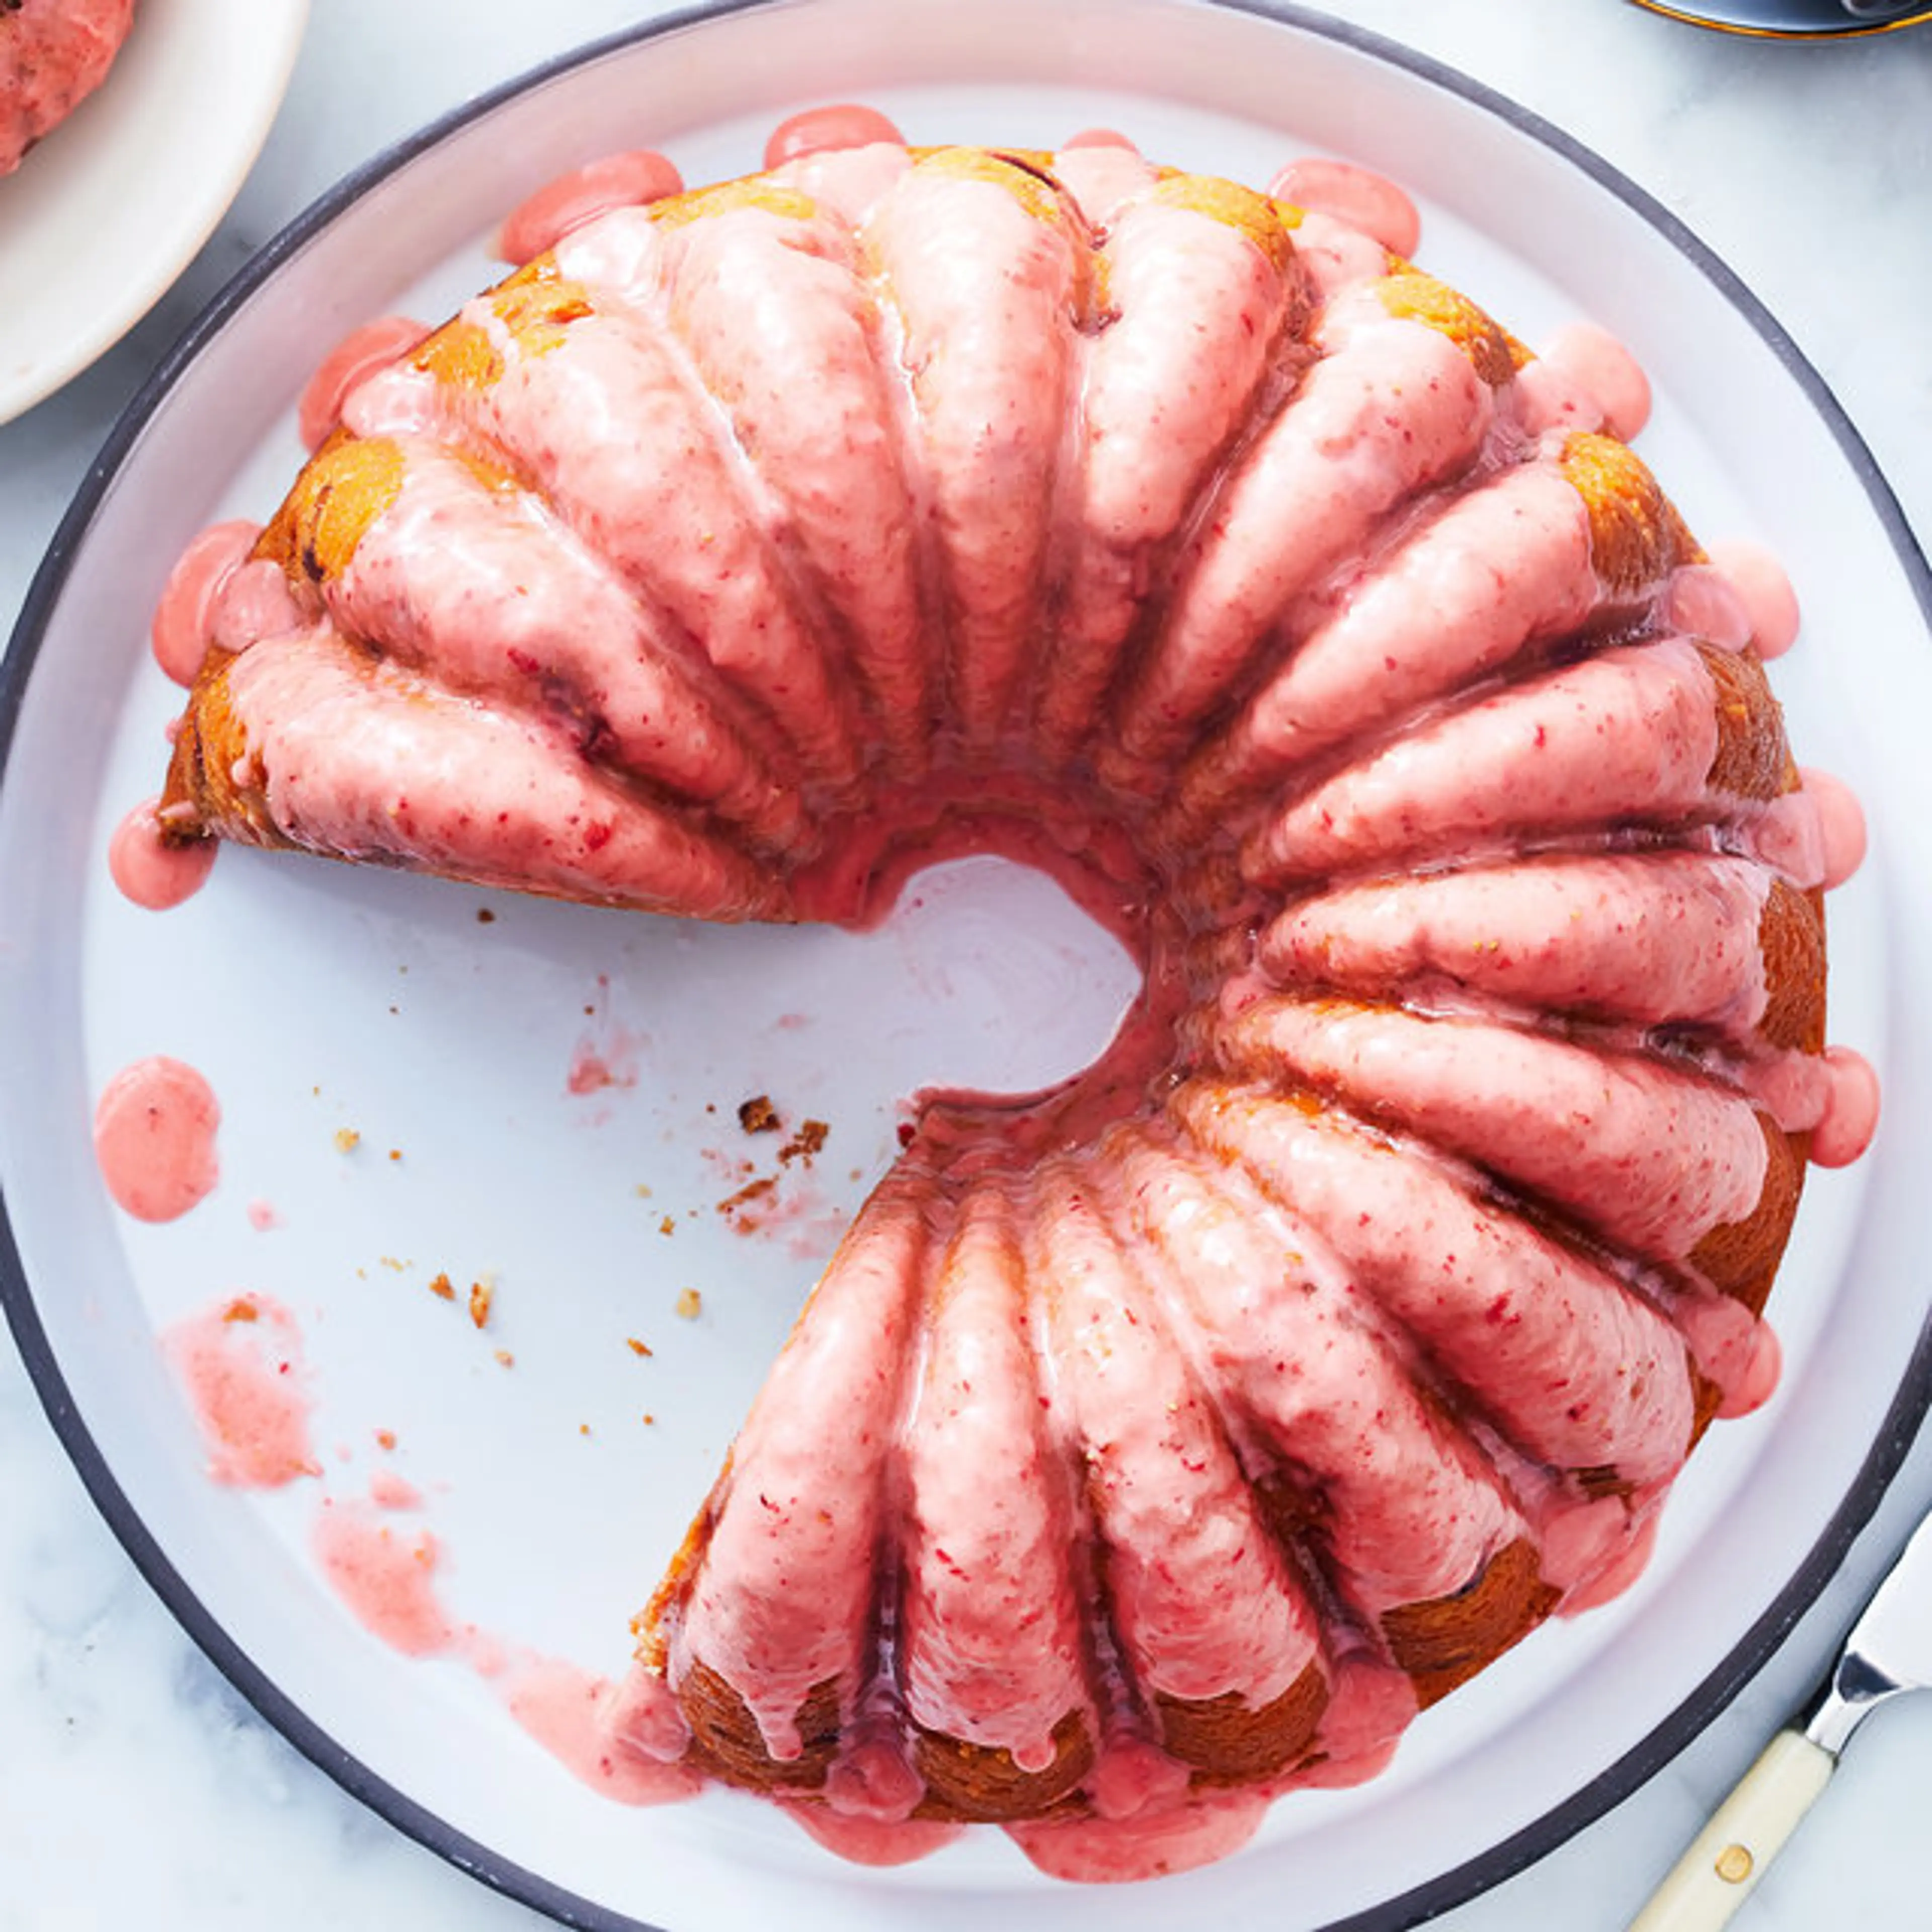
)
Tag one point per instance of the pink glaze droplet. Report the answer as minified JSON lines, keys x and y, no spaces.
{"x":389,"y":1491}
{"x":1760,"y":580}
{"x":848,"y":125}
{"x":1099,"y":137}
{"x":633,"y":179}
{"x":153,"y":1136}
{"x":1702,"y":602}
{"x":240,"y":1365}
{"x":263,"y":1216}
{"x":1760,"y":1381}
{"x":360,"y":353}
{"x":1596,"y":362}
{"x":1851,"y":1109}
{"x":1841,"y":823}
{"x":385,"y":1576}
{"x":150,"y":871}
{"x":1365,"y":201}
{"x":573,"y":1715}
{"x":1616,"y":1576}
{"x":180,"y":632}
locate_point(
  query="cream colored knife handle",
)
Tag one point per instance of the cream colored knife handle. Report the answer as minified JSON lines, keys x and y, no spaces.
{"x":1728,"y":1857}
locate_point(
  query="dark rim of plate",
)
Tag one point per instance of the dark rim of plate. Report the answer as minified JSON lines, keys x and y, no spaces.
{"x":1478,"y":1874}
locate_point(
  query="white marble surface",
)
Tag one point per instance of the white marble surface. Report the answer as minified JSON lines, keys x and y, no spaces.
{"x":136,"y":1786}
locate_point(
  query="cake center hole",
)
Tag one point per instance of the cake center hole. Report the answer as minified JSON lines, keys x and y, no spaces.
{"x":996,"y":982}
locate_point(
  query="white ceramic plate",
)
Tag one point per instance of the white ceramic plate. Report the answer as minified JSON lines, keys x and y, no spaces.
{"x":315,"y":999}
{"x":102,"y":216}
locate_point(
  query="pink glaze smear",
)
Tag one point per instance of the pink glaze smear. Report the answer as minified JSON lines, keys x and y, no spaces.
{"x":240,"y":1363}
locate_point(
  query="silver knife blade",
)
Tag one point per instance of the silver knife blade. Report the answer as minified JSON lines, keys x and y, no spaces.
{"x":1889,"y":1649}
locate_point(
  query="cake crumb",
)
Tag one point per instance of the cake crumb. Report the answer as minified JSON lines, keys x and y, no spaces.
{"x":758,"y":1116}
{"x":441,"y":1288}
{"x":583,"y":1429}
{"x":667,"y":1226}
{"x":649,"y":1419}
{"x":484,"y":916}
{"x":347,"y":1140}
{"x":642,"y":1190}
{"x":637,"y":1348}
{"x":809,"y":1140}
{"x":481,"y":1296}
{"x":241,"y":1309}
{"x":509,"y":1360}
{"x":690,"y":1304}
{"x":385,"y":1438}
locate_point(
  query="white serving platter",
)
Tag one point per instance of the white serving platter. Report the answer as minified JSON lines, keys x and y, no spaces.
{"x":316,"y":999}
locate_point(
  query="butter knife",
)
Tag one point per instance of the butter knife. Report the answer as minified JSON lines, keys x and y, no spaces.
{"x":1889,"y":1652}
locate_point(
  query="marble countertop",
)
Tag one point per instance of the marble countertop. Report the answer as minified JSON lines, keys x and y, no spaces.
{"x":136,"y":1786}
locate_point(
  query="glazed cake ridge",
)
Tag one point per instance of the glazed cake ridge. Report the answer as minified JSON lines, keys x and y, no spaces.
{"x":1157,"y":1444}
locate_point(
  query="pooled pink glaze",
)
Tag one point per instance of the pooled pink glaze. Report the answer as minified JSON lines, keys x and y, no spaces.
{"x":153,"y":1136}
{"x":356,"y":357}
{"x":631,"y":180}
{"x":1099,"y":137}
{"x":386,"y":1577}
{"x":815,"y":130}
{"x":871,"y":1841}
{"x":239,"y":1362}
{"x":149,"y":871}
{"x":1850,"y":1117}
{"x":183,"y":620}
{"x":1841,"y":824}
{"x":1615,"y":1577}
{"x":1760,"y":581}
{"x":253,"y":603}
{"x":1370,"y":1706}
{"x":1701,"y":601}
{"x":575,"y":1715}
{"x":1104,"y":1851}
{"x":1369,"y":202}
{"x":1592,"y":360}
{"x":389,"y":1491}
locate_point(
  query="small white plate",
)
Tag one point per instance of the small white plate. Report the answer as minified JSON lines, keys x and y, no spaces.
{"x":109,"y":208}
{"x":317,"y":998}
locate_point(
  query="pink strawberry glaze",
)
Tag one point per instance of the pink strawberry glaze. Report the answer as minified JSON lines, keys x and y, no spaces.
{"x":153,"y":1136}
{"x":819,"y":130}
{"x":1760,"y":580}
{"x":631,"y":180}
{"x":239,"y":1362}
{"x":183,"y":616}
{"x":1369,"y":202}
{"x":355,"y":358}
{"x":150,"y":871}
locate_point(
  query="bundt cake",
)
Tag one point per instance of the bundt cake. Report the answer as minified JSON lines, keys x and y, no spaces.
{"x":1153,"y":1444}
{"x":53,"y":54}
